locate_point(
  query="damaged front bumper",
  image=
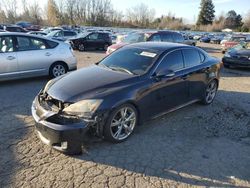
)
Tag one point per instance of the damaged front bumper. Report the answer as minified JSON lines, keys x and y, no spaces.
{"x":58,"y":132}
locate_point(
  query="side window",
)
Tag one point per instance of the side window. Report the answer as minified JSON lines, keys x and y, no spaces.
{"x":18,"y":29}
{"x":202,"y":56}
{"x":191,"y":57}
{"x":51,"y":44}
{"x":167,"y":37}
{"x":38,"y":44}
{"x":173,"y":61}
{"x":26,"y":43}
{"x":93,"y":36}
{"x":178,"y":38}
{"x":6,"y":44}
{"x":59,"y":34}
{"x":155,"y":38}
{"x":101,"y":36}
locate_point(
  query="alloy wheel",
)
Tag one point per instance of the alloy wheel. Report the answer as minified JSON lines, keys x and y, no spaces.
{"x":58,"y":70}
{"x":123,"y":123}
{"x":211,"y":91}
{"x":81,"y":47}
{"x":106,"y":47}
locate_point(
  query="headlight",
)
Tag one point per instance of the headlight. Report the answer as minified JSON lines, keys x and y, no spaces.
{"x":85,"y":108}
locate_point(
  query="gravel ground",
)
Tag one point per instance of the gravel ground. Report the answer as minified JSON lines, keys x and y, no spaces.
{"x":195,"y":146}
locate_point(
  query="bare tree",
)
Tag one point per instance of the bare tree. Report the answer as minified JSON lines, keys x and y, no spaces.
{"x":140,"y":15}
{"x":10,"y":7}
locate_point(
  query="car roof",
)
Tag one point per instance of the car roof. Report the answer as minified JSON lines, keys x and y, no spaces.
{"x":26,"y":34}
{"x":158,"y":46}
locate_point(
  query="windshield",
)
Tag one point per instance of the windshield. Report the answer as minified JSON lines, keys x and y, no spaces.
{"x":136,"y":37}
{"x":130,"y":60}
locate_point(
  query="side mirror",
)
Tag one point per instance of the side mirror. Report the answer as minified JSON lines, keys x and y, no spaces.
{"x":165,"y":74}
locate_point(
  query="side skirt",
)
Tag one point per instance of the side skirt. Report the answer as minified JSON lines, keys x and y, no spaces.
{"x":175,"y":108}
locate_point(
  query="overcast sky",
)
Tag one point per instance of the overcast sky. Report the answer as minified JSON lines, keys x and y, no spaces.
{"x":188,"y":9}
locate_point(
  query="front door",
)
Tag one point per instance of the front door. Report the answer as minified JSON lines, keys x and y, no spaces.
{"x":170,"y":92}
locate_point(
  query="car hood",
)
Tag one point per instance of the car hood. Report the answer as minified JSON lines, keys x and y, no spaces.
{"x":240,"y":52}
{"x":88,"y":83}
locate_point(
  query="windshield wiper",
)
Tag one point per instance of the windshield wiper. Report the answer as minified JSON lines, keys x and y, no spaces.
{"x":121,"y":69}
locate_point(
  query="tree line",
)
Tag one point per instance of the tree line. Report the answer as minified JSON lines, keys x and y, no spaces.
{"x":102,"y":13}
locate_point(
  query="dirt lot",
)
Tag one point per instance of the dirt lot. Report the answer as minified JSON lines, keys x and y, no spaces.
{"x":195,"y":146}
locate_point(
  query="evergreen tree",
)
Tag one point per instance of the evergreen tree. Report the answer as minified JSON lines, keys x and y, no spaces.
{"x":233,"y":20}
{"x":206,"y":15}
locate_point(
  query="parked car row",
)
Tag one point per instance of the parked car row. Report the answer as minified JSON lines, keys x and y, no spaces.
{"x":153,"y":36}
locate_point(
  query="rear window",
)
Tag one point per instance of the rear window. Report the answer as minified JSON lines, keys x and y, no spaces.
{"x":202,"y":56}
{"x":51,"y":44}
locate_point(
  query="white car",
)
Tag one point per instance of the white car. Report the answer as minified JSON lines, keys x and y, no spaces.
{"x":24,"y":55}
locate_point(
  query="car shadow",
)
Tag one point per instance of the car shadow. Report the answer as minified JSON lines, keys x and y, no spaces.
{"x":92,"y":51}
{"x":186,"y":146}
{"x":236,"y":72}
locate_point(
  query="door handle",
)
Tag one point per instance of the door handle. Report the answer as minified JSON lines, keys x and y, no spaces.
{"x":48,"y":54}
{"x":11,"y":58}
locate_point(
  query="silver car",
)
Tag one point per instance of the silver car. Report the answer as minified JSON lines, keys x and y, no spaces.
{"x":24,"y":55}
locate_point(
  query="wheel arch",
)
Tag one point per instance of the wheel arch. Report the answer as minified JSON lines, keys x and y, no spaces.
{"x":134,"y":104}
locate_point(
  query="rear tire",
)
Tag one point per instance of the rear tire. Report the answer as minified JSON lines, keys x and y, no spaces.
{"x":105,"y":47}
{"x":57,"y":69}
{"x":210,"y":92}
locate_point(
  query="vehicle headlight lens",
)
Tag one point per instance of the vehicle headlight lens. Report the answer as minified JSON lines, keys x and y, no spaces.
{"x":85,"y":108}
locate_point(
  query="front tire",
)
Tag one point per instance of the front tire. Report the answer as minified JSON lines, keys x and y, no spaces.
{"x":121,"y":123}
{"x":210,"y":92}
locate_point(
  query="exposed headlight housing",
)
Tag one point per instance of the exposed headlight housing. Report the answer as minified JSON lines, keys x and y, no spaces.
{"x":84,"y":108}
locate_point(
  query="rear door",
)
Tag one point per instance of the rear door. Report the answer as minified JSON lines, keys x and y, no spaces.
{"x":198,"y":72}
{"x":34,"y":56}
{"x":8,"y":58}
